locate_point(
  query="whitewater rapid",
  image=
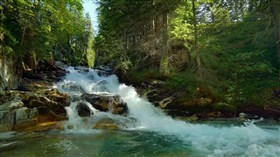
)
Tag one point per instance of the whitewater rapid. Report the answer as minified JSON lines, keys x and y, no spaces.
{"x":245,"y":140}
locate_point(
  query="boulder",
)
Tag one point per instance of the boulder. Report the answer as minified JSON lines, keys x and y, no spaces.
{"x":166,"y":101}
{"x":10,"y":105}
{"x":83,"y":110}
{"x":50,"y":103}
{"x":43,"y":102}
{"x":14,"y":116}
{"x":104,"y":70}
{"x":7,"y":114}
{"x":106,"y":102}
{"x":6,"y":120}
{"x":10,"y":72}
{"x":57,"y":96}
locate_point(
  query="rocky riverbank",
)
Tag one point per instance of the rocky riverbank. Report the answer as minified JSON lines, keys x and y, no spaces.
{"x":201,"y":104}
{"x":36,"y":105}
{"x":34,"y":102}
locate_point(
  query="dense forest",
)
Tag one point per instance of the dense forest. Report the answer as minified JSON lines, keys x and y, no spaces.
{"x":224,"y":53}
{"x":35,"y":31}
{"x":227,"y":51}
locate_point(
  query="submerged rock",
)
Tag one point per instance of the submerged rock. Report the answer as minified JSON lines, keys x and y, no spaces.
{"x":45,"y":126}
{"x":101,"y":86}
{"x":106,"y":123}
{"x":106,"y":102}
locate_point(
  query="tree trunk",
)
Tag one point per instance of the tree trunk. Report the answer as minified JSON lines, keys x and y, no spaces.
{"x":164,"y":56}
{"x":198,"y":61}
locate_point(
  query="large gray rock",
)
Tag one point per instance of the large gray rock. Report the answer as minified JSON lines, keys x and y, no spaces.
{"x":10,"y":105}
{"x":6,"y":120}
{"x":14,"y":116}
{"x":106,"y":102}
{"x":10,"y":73}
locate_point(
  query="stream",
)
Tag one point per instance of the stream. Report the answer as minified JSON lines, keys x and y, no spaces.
{"x":145,"y":131}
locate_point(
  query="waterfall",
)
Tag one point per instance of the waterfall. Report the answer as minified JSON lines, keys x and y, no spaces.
{"x":223,"y":141}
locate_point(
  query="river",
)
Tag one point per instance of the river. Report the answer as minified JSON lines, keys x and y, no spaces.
{"x":146,"y":130}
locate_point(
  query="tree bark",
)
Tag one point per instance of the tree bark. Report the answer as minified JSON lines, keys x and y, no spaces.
{"x":164,"y":56}
{"x":198,"y":60}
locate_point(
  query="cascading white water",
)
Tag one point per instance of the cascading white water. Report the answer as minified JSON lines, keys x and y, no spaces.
{"x":248,"y":139}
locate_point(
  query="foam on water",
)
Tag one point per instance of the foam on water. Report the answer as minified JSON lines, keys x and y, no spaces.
{"x":246,"y":140}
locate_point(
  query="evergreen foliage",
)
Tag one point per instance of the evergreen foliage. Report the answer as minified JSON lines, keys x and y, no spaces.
{"x":231,"y":47}
{"x":36,"y":31}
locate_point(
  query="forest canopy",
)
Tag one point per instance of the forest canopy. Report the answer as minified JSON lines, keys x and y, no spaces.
{"x":45,"y":30}
{"x":227,"y":50}
{"x":231,"y":48}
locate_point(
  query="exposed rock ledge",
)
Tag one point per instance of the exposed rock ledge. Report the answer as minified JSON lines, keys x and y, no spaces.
{"x":34,"y":102}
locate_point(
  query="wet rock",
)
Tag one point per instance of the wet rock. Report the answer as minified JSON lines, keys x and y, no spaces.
{"x":166,"y":101}
{"x":8,"y":114}
{"x":106,"y":126}
{"x":106,"y":123}
{"x":104,"y":70}
{"x":6,"y":120}
{"x":101,"y":86}
{"x":25,"y":123}
{"x":106,"y":102}
{"x":50,"y":103}
{"x":242,"y":115}
{"x":43,"y":102}
{"x":83,"y":110}
{"x":253,"y":112}
{"x":25,"y":113}
{"x":60,"y":65}
{"x":45,"y":126}
{"x":10,"y":105}
{"x":81,"y":69}
{"x":213,"y":114}
{"x":188,"y":119}
{"x":73,"y":87}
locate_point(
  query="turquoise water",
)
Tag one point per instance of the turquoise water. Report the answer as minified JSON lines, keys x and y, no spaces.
{"x":97,"y":143}
{"x":106,"y":143}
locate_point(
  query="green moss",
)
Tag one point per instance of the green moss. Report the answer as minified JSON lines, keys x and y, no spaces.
{"x":139,"y":77}
{"x":182,"y":81}
{"x":223,"y":107}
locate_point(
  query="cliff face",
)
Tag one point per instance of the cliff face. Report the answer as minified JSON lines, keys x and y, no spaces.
{"x":10,"y":73}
